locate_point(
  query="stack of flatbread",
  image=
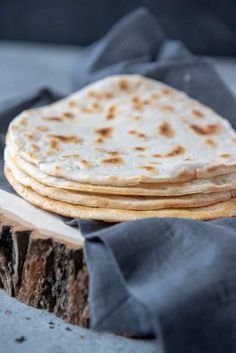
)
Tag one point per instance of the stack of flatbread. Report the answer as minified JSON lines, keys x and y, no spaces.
{"x":124,"y":148}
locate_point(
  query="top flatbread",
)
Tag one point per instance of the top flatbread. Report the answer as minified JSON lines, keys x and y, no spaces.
{"x":126,"y":130}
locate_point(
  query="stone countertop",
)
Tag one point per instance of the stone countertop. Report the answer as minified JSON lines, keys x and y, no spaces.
{"x":25,"y":330}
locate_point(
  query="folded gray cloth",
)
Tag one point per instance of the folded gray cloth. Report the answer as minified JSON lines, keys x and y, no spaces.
{"x":169,"y":277}
{"x":173,"y":278}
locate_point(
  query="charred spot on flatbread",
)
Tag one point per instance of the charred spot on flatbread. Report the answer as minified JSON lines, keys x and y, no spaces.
{"x":42,"y":128}
{"x":57,"y":119}
{"x":210,"y":143}
{"x":111,"y":112}
{"x":67,"y":138}
{"x":148,"y":168}
{"x":210,"y":129}
{"x":225,"y":155}
{"x":123,"y":85}
{"x":112,"y":161}
{"x":166,"y":130}
{"x":139,"y":148}
{"x":177,"y":151}
{"x":197,"y":113}
{"x":105,"y":132}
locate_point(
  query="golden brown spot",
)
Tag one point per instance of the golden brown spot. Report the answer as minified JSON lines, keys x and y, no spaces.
{"x":137,"y":134}
{"x":42,"y":128}
{"x":233,"y":139}
{"x":156,"y":155}
{"x":72,"y":104}
{"x":96,"y":95}
{"x":105,"y":132}
{"x":123,"y":84}
{"x":210,"y":143}
{"x":111,"y":112}
{"x":176,"y":152}
{"x":86,"y":164}
{"x":93,"y":94}
{"x":110,"y":116}
{"x":132,"y":132}
{"x":108,"y":95}
{"x":167,"y":108}
{"x":23,"y":121}
{"x":137,"y":103}
{"x":115,"y":160}
{"x":197,"y":113}
{"x":113,"y":153}
{"x":225,"y":156}
{"x":187,"y":175}
{"x":95,"y":107}
{"x":148,"y":168}
{"x":166,"y":91}
{"x":54,"y":144}
{"x":53,"y":118}
{"x":166,"y":130}
{"x":99,"y":140}
{"x":210,"y":129}
{"x":139,"y":148}
{"x":71,"y":156}
{"x":68,"y":115}
{"x":110,"y":153}
{"x":137,"y":118}
{"x":212,"y":168}
{"x":29,"y":136}
{"x":67,"y":139}
{"x":141,"y":135}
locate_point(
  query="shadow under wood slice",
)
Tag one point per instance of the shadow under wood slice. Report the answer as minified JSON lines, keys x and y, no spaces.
{"x":43,"y":272}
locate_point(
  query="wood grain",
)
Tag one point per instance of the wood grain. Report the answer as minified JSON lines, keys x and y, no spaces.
{"x":43,"y":272}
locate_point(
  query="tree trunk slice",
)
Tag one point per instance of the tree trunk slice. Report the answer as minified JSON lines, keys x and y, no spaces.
{"x":41,"y":268}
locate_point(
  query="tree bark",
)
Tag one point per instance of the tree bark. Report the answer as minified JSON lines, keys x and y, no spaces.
{"x":43,"y":272}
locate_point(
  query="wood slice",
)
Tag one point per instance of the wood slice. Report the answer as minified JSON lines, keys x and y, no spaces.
{"x":41,"y":260}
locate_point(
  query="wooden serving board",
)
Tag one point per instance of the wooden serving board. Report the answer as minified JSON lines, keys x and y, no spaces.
{"x":41,"y":260}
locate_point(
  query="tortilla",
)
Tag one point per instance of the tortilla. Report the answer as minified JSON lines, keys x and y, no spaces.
{"x":123,"y":131}
{"x":113,"y":201}
{"x":222,"y":209}
{"x":216,"y":184}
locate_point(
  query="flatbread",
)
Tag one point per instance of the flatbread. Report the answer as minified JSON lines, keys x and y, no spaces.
{"x":123,"y":131}
{"x":113,"y":201}
{"x":222,"y":209}
{"x":216,"y":184}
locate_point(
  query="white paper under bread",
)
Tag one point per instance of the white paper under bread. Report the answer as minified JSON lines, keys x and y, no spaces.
{"x":14,"y":207}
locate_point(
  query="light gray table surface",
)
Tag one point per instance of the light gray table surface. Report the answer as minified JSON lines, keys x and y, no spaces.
{"x":42,"y":332}
{"x":24,"y":67}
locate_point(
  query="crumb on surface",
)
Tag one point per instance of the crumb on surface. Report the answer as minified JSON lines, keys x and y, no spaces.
{"x":20,"y":339}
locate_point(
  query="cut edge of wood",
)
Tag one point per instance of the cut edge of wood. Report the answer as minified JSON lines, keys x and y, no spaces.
{"x":30,"y":217}
{"x":43,"y":271}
